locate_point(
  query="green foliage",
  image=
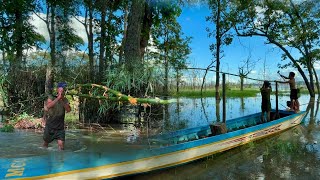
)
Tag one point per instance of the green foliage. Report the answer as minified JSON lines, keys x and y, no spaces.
{"x":173,"y":47}
{"x":286,"y":24}
{"x":223,"y":21}
{"x":124,"y":81}
{"x":22,"y":116}
{"x":3,"y":94}
{"x":7,"y":128}
{"x":18,"y":31}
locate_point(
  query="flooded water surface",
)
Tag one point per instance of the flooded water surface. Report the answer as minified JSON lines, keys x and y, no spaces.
{"x":293,"y":154}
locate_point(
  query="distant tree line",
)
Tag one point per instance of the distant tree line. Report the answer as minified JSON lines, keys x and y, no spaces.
{"x":134,"y":46}
{"x":131,"y":46}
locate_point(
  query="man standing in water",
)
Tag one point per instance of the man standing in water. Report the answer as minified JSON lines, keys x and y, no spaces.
{"x":55,"y":108}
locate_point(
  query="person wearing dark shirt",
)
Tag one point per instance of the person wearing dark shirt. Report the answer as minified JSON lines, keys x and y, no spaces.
{"x":55,"y":108}
{"x":265,"y":104}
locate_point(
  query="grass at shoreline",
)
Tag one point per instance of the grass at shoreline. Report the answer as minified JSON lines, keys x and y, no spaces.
{"x":211,"y":93}
{"x":231,"y":93}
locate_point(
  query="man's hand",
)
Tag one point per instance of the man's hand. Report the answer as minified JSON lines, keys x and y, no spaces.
{"x":60,"y":94}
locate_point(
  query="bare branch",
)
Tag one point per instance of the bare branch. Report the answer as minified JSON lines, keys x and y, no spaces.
{"x":40,"y":17}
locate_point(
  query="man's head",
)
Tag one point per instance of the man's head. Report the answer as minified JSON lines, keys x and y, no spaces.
{"x":266,"y":84}
{"x":61,"y":86}
{"x":291,"y":75}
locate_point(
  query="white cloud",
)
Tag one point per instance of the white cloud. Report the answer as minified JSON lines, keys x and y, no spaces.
{"x":253,"y":72}
{"x":41,"y":28}
{"x":79,"y":28}
{"x":317,"y":65}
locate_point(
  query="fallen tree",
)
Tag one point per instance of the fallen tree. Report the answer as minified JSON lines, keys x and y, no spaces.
{"x":104,"y":93}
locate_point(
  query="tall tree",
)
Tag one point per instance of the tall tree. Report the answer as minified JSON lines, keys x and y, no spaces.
{"x":67,"y":40}
{"x":88,"y":23}
{"x":17,"y":32}
{"x":124,"y":33}
{"x":180,"y":52}
{"x":291,"y":26}
{"x":102,"y":7}
{"x":173,"y":48}
{"x":60,"y":33}
{"x":49,"y":8}
{"x":17,"y":35}
{"x":114,"y":29}
{"x":245,"y":68}
{"x":132,"y":49}
{"x":219,"y":15}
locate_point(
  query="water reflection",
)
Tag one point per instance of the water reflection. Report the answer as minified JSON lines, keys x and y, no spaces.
{"x":196,"y":112}
{"x":293,"y":154}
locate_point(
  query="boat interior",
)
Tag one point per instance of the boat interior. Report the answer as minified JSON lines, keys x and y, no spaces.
{"x":190,"y":134}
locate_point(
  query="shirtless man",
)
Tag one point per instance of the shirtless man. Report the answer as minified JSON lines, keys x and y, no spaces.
{"x":293,"y":91}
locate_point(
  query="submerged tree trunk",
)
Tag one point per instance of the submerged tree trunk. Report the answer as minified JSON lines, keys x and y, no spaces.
{"x":317,"y":80}
{"x":310,"y":70}
{"x":218,"y":110}
{"x":218,"y":39}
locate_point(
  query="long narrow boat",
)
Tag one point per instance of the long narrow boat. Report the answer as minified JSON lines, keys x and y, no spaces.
{"x":167,"y":150}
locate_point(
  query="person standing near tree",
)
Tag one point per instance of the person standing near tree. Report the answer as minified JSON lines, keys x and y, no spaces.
{"x":55,"y":108}
{"x":294,"y":105}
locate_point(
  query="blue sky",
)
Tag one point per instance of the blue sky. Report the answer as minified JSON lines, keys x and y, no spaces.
{"x":194,"y":24}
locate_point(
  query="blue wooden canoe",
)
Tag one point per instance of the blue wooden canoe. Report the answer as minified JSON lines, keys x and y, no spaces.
{"x":167,"y":150}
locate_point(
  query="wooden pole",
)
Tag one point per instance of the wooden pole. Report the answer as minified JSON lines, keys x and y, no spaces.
{"x":277,"y":101}
{"x":224,"y":98}
{"x":221,"y":128}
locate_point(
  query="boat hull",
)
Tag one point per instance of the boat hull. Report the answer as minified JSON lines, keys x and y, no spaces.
{"x":145,"y":160}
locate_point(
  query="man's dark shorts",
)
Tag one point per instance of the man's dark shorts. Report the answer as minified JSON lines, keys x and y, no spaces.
{"x":266,"y":107}
{"x":294,"y":94}
{"x":51,"y":134}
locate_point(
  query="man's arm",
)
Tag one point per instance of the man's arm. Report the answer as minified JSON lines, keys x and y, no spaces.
{"x":51,"y":103}
{"x":66,"y":105}
{"x":283,"y":81}
{"x":283,"y":75}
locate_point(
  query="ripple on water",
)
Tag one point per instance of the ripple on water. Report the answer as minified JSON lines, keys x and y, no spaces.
{"x":24,"y":143}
